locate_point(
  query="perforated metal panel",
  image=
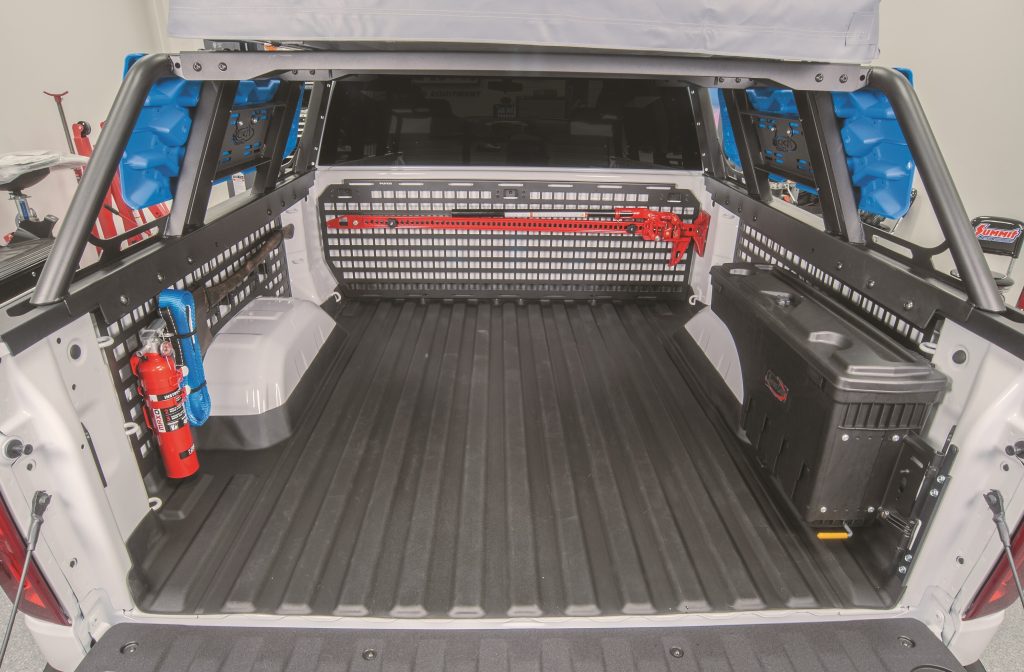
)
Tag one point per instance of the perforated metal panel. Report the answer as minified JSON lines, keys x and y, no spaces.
{"x":269,"y":279}
{"x":756,"y":247}
{"x":418,"y":262}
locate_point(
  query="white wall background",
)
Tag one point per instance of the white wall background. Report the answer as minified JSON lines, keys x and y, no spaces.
{"x":966,"y":59}
{"x":61,"y":45}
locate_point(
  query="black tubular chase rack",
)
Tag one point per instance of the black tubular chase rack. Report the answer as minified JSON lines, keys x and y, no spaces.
{"x":811,"y":82}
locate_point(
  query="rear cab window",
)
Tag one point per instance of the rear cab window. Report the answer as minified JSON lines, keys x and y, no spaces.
{"x":501,"y":121}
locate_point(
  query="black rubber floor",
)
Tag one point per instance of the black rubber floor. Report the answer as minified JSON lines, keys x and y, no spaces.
{"x":479,"y":460}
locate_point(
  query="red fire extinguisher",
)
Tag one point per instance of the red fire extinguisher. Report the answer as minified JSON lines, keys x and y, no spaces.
{"x":160,"y":386}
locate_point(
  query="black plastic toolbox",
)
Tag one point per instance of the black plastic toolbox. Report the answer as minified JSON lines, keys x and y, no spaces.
{"x":827,"y":397}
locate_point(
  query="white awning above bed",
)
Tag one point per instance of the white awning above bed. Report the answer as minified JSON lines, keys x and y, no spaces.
{"x":812,"y":30}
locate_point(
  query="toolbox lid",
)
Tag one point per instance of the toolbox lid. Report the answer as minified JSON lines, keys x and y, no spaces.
{"x":845,"y":350}
{"x":807,"y":30}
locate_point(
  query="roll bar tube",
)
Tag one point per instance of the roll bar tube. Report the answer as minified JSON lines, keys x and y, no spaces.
{"x":85,"y":205}
{"x":938,"y":182}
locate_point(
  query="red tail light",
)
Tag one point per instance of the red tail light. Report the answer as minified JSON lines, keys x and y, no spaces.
{"x":999,"y":590}
{"x":38,"y":600}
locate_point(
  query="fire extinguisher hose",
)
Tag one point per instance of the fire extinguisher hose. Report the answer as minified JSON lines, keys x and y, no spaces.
{"x":180,"y":307}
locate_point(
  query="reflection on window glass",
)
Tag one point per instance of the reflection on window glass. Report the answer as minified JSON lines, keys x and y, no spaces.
{"x":501,"y":121}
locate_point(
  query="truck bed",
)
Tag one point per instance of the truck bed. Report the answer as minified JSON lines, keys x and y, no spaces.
{"x":481,"y":460}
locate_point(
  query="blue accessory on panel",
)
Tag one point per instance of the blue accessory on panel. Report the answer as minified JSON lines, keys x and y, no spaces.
{"x":881,"y":166}
{"x":182,"y":309}
{"x":156,"y":147}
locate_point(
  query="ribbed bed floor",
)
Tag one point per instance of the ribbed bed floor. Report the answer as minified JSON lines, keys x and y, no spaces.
{"x":480,"y":460}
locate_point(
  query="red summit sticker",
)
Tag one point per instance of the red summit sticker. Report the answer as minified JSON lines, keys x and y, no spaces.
{"x":1000,"y":232}
{"x":775,"y":385}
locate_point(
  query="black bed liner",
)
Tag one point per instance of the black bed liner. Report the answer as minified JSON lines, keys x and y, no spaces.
{"x":475,"y":460}
{"x":889,"y":645}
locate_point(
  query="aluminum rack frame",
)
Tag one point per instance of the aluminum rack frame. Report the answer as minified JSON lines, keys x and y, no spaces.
{"x":729,"y":73}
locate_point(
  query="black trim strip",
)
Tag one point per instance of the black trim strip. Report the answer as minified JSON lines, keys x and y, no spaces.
{"x":887,"y":282}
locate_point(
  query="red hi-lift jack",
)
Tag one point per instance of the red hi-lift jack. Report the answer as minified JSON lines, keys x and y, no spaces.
{"x":649,"y":224}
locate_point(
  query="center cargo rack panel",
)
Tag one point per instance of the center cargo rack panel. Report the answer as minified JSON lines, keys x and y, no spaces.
{"x":452,"y":264}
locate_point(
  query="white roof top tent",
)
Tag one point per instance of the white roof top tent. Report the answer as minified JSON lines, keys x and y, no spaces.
{"x":805,"y":30}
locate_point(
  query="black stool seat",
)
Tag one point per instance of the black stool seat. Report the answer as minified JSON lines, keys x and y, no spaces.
{"x":25,"y":180}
